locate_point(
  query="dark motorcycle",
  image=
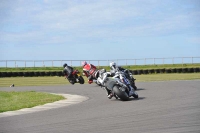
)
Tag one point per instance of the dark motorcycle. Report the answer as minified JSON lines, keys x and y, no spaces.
{"x":76,"y":78}
{"x":123,"y":78}
{"x":129,"y":76}
{"x":117,"y":88}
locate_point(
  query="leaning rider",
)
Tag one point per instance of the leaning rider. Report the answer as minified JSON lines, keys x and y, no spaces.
{"x":68,"y":72}
{"x":114,"y":68}
{"x":90,"y":71}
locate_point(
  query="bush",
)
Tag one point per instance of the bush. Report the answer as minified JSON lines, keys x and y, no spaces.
{"x":139,"y":72}
{"x":4,"y":74}
{"x":1,"y":74}
{"x":59,"y":73}
{"x":196,"y":69}
{"x":151,"y":71}
{"x":26,"y":74}
{"x":179,"y":70}
{"x":36,"y":74}
{"x":168,"y":70}
{"x":47,"y":73}
{"x":134,"y":72}
{"x":190,"y":70}
{"x":53,"y":73}
{"x":20,"y":73}
{"x":157,"y":70}
{"x":31,"y":74}
{"x":145,"y":71}
{"x":42,"y":74}
{"x":173,"y":70}
{"x":14,"y":74}
{"x":162,"y":70}
{"x":184,"y":70}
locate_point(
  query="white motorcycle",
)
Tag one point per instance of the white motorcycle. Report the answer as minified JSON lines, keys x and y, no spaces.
{"x":119,"y":88}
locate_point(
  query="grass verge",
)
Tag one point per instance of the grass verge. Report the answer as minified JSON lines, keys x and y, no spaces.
{"x":10,"y":101}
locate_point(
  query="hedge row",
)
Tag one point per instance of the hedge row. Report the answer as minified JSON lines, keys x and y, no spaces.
{"x":31,"y":74}
{"x":134,"y":72}
{"x":171,"y":70}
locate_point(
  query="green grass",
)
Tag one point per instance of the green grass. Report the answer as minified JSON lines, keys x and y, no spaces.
{"x":167,"y":77}
{"x":50,"y":81}
{"x":130,"y":67}
{"x":10,"y":101}
{"x":33,"y":81}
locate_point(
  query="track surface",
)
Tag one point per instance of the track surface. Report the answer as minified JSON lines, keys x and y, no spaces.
{"x":163,"y":107}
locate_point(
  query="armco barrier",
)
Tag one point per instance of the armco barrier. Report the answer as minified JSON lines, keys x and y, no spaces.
{"x":134,"y":72}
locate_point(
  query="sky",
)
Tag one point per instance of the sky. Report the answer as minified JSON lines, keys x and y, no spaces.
{"x":98,"y":29}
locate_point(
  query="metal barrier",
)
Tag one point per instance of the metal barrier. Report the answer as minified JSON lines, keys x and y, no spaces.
{"x":121,"y":62}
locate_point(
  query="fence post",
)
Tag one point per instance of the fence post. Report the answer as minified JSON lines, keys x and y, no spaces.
{"x":192,"y":60}
{"x":173,"y":60}
{"x":6,"y":63}
{"x":182,"y":61}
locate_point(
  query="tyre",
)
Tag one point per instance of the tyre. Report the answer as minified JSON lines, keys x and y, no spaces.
{"x":121,"y":94}
{"x":81,"y":80}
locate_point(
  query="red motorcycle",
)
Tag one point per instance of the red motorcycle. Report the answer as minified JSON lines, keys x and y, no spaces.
{"x":76,"y":78}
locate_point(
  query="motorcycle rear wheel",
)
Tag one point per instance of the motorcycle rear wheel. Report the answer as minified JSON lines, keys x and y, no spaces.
{"x":81,"y":80}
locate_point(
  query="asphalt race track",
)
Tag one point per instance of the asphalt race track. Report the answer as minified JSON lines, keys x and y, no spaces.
{"x":162,"y":107}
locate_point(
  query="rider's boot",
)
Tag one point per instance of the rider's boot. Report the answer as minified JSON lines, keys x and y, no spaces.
{"x":110,"y":95}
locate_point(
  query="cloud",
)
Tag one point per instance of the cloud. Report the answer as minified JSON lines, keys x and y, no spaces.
{"x":62,"y":21}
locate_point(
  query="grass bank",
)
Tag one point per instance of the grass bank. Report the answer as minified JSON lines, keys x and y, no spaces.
{"x":10,"y":101}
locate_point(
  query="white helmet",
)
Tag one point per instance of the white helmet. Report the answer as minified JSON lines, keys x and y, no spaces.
{"x":113,"y":64}
{"x":84,"y":63}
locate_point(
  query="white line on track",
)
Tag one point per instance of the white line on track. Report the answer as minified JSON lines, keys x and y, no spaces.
{"x":71,"y":99}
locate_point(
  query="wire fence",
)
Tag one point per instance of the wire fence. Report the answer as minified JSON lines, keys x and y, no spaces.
{"x":120,"y":62}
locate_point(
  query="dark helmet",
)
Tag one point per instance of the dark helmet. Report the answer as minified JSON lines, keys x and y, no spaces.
{"x":64,"y":65}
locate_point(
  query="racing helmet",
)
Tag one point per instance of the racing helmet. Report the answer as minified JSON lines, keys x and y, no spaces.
{"x":113,"y":64}
{"x":64,"y":65}
{"x":84,"y":63}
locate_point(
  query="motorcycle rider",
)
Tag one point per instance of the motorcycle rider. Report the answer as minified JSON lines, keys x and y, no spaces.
{"x":68,"y":73}
{"x":90,"y":71}
{"x":101,"y":79}
{"x":114,"y":68}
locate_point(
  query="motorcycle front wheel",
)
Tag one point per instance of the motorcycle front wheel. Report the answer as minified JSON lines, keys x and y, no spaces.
{"x":121,"y":94}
